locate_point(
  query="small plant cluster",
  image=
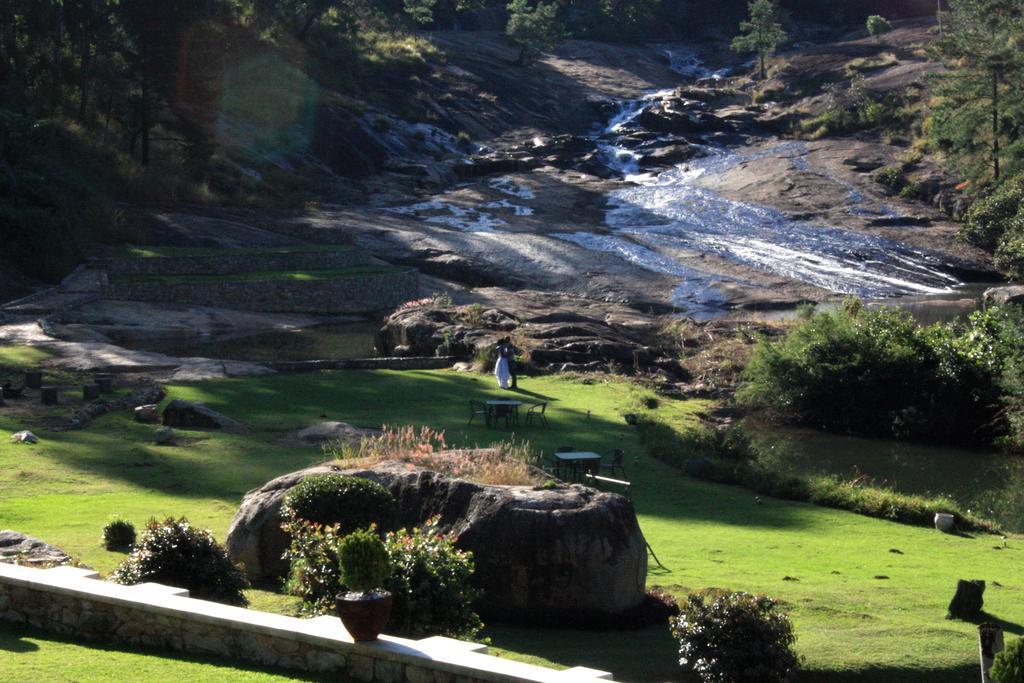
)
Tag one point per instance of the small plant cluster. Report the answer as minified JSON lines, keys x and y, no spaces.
{"x":118,"y":534}
{"x":363,"y":560}
{"x":1008,"y":666}
{"x":857,"y":108}
{"x":505,"y":462}
{"x":878,"y":373}
{"x":175,"y":553}
{"x":729,"y":637}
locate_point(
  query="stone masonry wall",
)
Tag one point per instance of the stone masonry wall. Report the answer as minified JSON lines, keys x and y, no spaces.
{"x":354,"y":294}
{"x":73,"y":601}
{"x":234,"y":263}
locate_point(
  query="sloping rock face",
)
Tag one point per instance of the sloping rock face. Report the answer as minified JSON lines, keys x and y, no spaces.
{"x":188,"y":415}
{"x":564,"y":554}
{"x":16,"y":547}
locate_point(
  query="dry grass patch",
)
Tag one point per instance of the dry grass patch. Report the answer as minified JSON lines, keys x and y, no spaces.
{"x":507,"y":463}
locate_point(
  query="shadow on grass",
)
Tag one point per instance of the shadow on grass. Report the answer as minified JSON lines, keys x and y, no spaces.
{"x":1007,"y":626}
{"x":892,"y":675}
{"x":12,"y":639}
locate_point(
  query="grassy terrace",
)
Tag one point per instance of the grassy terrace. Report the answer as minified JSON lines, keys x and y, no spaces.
{"x":164,"y":252}
{"x":259,"y":276}
{"x":862,"y":611}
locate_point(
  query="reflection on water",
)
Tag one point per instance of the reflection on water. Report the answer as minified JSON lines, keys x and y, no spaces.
{"x":318,"y":342}
{"x":985,"y":481}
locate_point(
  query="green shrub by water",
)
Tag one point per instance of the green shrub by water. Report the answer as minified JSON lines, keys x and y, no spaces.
{"x":735,"y":638}
{"x":996,"y":222}
{"x":878,"y":373}
{"x":175,"y":553}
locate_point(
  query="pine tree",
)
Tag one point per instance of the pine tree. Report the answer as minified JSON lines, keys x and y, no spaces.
{"x":761,"y":33}
{"x":979,"y":102}
{"x":533,"y":28}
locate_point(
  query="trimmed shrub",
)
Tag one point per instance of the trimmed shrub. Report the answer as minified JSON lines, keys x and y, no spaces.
{"x":1008,"y":666}
{"x":431,"y":585}
{"x":735,"y":637}
{"x":336,"y":499}
{"x":364,"y":561}
{"x":175,"y":553}
{"x":118,"y":534}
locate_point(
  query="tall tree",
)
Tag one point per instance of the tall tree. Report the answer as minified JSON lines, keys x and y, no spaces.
{"x":533,"y":29}
{"x":979,"y":107}
{"x":761,"y":33}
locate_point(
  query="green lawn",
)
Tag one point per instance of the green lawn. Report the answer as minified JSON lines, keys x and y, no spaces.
{"x":821,"y":562}
{"x":22,"y":357}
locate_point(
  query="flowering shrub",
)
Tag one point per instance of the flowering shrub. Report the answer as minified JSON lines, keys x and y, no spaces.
{"x":735,"y":637}
{"x":430,"y":580}
{"x":175,"y":553}
{"x":431,"y":585}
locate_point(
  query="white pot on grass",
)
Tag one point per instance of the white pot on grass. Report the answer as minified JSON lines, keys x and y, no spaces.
{"x":945,"y":521}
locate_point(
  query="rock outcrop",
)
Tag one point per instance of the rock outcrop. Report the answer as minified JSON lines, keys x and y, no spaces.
{"x":329,"y":432}
{"x":568,"y":554}
{"x":1001,"y":296}
{"x":193,"y":415}
{"x":19,"y":548}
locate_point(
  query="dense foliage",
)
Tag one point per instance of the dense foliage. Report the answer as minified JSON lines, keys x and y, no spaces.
{"x":877,"y":372}
{"x":429,"y":583}
{"x":431,"y":586}
{"x":877,"y":25}
{"x":735,"y":638}
{"x":175,"y":553}
{"x":996,"y":222}
{"x":363,"y":561}
{"x":533,"y":29}
{"x":1008,"y":666}
{"x":118,"y":534}
{"x":335,"y":499}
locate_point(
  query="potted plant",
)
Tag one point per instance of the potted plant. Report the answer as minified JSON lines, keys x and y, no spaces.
{"x":365,"y":566}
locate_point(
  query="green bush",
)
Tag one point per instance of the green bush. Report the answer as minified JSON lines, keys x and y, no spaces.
{"x":314,"y":573}
{"x":890,"y":177}
{"x":734,"y":638}
{"x":989,"y":218}
{"x":118,"y":534}
{"x":431,"y":586}
{"x":1009,"y":256}
{"x":175,"y":553}
{"x":1008,"y":666}
{"x":877,"y":25}
{"x":329,"y":499}
{"x":876,"y":372}
{"x":363,"y":560}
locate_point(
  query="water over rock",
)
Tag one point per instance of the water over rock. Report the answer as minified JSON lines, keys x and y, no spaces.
{"x":567,"y":554}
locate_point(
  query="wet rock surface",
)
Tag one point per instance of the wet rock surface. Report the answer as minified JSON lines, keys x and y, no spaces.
{"x":566,"y":554}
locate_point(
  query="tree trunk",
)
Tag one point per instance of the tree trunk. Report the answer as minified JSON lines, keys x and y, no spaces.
{"x":764,"y":72}
{"x":84,"y":82}
{"x":995,"y":125}
{"x":58,"y":54}
{"x":144,"y":121}
{"x":521,"y":59}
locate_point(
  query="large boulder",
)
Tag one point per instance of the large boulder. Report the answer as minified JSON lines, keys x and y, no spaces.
{"x":331,"y":432}
{"x":1007,"y":294}
{"x":193,"y":415}
{"x":568,"y":554}
{"x":19,"y":548}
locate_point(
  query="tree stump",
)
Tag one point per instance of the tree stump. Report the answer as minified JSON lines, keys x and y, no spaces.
{"x":90,"y":392}
{"x":968,"y":600}
{"x":48,"y":395}
{"x":33,"y":379}
{"x":105,"y":382}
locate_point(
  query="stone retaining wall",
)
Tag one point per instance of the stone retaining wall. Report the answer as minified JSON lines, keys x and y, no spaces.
{"x":352,"y":294}
{"x":72,"y":601}
{"x":234,"y":263}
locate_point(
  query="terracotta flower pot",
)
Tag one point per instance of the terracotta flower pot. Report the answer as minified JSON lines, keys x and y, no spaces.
{"x":364,"y":615}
